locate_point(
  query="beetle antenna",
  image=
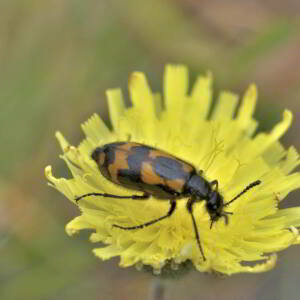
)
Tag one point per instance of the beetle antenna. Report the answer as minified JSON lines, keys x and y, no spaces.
{"x":246,"y":189}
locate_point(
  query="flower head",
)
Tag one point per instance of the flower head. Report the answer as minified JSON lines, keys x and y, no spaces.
{"x":223,"y":144}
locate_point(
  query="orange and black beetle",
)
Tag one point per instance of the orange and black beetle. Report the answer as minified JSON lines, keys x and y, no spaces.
{"x":159,"y":174}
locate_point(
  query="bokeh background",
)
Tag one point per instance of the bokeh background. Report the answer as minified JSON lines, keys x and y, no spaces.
{"x":57,"y":58}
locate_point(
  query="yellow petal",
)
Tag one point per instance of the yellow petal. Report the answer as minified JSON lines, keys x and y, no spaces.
{"x":116,"y":106}
{"x":201,"y":97}
{"x":247,"y":107}
{"x":225,"y":107}
{"x":141,"y":95}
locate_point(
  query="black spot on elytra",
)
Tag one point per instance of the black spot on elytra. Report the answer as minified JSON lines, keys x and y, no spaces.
{"x":132,"y":175}
{"x":95,"y":154}
{"x":139,"y":154}
{"x":168,"y":190}
{"x":169,"y":168}
{"x":141,"y":150}
{"x":110,"y":156}
{"x":130,"y":179}
{"x":127,"y":176}
{"x":115,"y":145}
{"x":134,"y":182}
{"x":109,"y":150}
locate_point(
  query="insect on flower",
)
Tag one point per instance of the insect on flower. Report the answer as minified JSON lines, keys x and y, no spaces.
{"x":174,"y":135}
{"x":154,"y":172}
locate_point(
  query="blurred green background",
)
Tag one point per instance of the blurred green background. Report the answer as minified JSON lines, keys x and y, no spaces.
{"x":57,"y":58}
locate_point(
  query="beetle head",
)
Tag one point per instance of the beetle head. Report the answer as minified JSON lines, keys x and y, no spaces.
{"x":214,"y":206}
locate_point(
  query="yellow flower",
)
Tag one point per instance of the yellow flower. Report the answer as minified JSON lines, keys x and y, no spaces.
{"x":222,"y":144}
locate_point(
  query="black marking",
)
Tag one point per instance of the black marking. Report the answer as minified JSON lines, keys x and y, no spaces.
{"x":110,"y":156}
{"x":133,"y":181}
{"x":136,"y":158}
{"x":168,"y":191}
{"x":96,"y":153}
{"x":129,"y":178}
{"x":115,"y":145}
{"x":141,"y":150}
{"x":169,"y":168}
{"x":159,"y":191}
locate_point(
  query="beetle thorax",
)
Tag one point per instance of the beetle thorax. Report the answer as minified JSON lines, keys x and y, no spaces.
{"x":199,"y":187}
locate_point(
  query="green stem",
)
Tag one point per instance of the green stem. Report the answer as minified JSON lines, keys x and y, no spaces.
{"x":158,"y":289}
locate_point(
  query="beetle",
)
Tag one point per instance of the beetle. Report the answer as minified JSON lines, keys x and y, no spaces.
{"x":156,"y":173}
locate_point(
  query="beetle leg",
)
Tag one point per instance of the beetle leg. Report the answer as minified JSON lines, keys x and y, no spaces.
{"x":216,"y":183}
{"x":170,"y":212}
{"x":225,"y":216}
{"x":189,"y":206}
{"x":135,"y":197}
